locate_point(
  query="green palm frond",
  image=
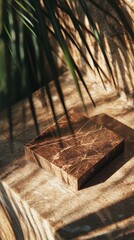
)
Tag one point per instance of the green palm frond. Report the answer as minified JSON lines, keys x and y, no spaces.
{"x":26,"y":30}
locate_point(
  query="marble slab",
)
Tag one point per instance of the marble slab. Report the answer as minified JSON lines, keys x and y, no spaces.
{"x":74,"y":159}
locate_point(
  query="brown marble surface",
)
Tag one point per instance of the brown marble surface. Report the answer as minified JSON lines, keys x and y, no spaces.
{"x":74,"y":158}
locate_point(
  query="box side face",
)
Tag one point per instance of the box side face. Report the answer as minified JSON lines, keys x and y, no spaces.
{"x":51,"y":168}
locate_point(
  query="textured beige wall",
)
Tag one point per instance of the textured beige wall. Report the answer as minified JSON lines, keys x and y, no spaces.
{"x":118,"y":45}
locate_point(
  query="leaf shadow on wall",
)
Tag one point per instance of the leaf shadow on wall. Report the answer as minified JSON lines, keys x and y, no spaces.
{"x":117,"y":43}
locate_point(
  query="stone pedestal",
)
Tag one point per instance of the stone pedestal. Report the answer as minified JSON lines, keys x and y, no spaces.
{"x":75,"y":158}
{"x":36,"y":205}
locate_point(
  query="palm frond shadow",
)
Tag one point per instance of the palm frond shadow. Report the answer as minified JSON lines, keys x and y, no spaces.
{"x":99,"y":225}
{"x":116,"y":41}
{"x":34,"y":35}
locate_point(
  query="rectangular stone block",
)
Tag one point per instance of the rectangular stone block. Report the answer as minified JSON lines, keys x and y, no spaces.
{"x":74,"y":159}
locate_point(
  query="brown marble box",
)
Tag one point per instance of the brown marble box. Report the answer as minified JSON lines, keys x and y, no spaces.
{"x":80,"y":156}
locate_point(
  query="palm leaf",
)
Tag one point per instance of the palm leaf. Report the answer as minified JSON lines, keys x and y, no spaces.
{"x":77,"y":27}
{"x":25,"y":34}
{"x":64,"y":48}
